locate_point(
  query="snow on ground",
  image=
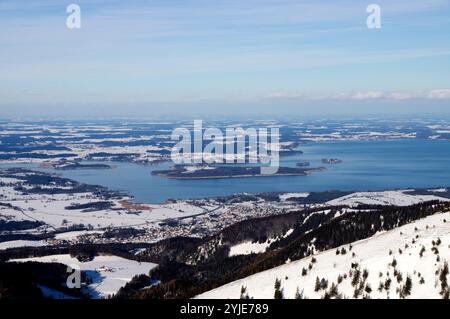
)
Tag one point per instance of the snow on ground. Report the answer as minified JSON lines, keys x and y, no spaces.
{"x":22,"y":243}
{"x":12,"y":214}
{"x":248,"y":247}
{"x":395,"y":198}
{"x":51,"y":209}
{"x":53,"y":294}
{"x":8,"y":192}
{"x":9,"y":180}
{"x":286,"y":196}
{"x":174,"y":210}
{"x":192,"y":169}
{"x":438,"y":190}
{"x":376,"y":254}
{"x":109,"y":273}
{"x":75,"y":234}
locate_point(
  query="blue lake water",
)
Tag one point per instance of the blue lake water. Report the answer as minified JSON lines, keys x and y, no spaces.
{"x":367,"y":165}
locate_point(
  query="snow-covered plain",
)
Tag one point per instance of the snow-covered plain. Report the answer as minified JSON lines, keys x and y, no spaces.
{"x":22,"y":243}
{"x":75,"y":234}
{"x":384,"y":256}
{"x":394,"y":198}
{"x":52,"y":210}
{"x":109,"y":273}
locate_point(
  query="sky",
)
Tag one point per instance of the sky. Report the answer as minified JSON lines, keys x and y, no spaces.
{"x":173,"y":57}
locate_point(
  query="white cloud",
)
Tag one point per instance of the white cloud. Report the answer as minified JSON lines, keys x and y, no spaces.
{"x":368,"y":95}
{"x":439,"y":94}
{"x":402,"y":95}
{"x":365,"y":95}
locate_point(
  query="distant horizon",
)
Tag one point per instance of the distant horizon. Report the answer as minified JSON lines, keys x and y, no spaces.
{"x":226,"y":118}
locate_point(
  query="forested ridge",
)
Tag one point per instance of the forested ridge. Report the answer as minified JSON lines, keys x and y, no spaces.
{"x":324,"y":231}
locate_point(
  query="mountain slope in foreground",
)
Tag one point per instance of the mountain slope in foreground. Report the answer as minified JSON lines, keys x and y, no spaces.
{"x":407,"y":262}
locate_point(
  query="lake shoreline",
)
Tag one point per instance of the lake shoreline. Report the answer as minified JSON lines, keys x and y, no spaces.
{"x":371,"y":165}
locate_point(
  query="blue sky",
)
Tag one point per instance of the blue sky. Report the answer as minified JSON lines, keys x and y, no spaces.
{"x":149,"y":57}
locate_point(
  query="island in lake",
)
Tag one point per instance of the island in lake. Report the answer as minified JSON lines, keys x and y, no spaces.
{"x":303,"y":164}
{"x":214,"y":172}
{"x":64,"y":164}
{"x":331,"y":161}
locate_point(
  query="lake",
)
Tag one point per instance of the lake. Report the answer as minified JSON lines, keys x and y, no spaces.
{"x":367,"y":165}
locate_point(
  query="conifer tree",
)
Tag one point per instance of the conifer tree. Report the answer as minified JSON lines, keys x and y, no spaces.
{"x":317,"y":285}
{"x":298,"y":294}
{"x":278,"y":291}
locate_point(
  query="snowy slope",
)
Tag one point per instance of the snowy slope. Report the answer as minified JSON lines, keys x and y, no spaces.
{"x":109,"y":273}
{"x":21,"y":243}
{"x":375,"y":254}
{"x":284,"y":197}
{"x":394,"y":198}
{"x":248,"y":247}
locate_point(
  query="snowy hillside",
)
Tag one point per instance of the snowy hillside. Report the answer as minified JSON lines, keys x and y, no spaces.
{"x":409,"y":261}
{"x":108,"y":273}
{"x":394,"y":198}
{"x":249,"y":247}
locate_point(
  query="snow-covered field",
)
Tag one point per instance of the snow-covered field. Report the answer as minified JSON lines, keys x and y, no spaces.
{"x":59,"y":212}
{"x":22,"y":243}
{"x":394,"y":198}
{"x":389,"y":259}
{"x":52,"y":210}
{"x":248,"y":247}
{"x":85,"y":141}
{"x":286,"y":196}
{"x":109,"y":273}
{"x":75,"y":234}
